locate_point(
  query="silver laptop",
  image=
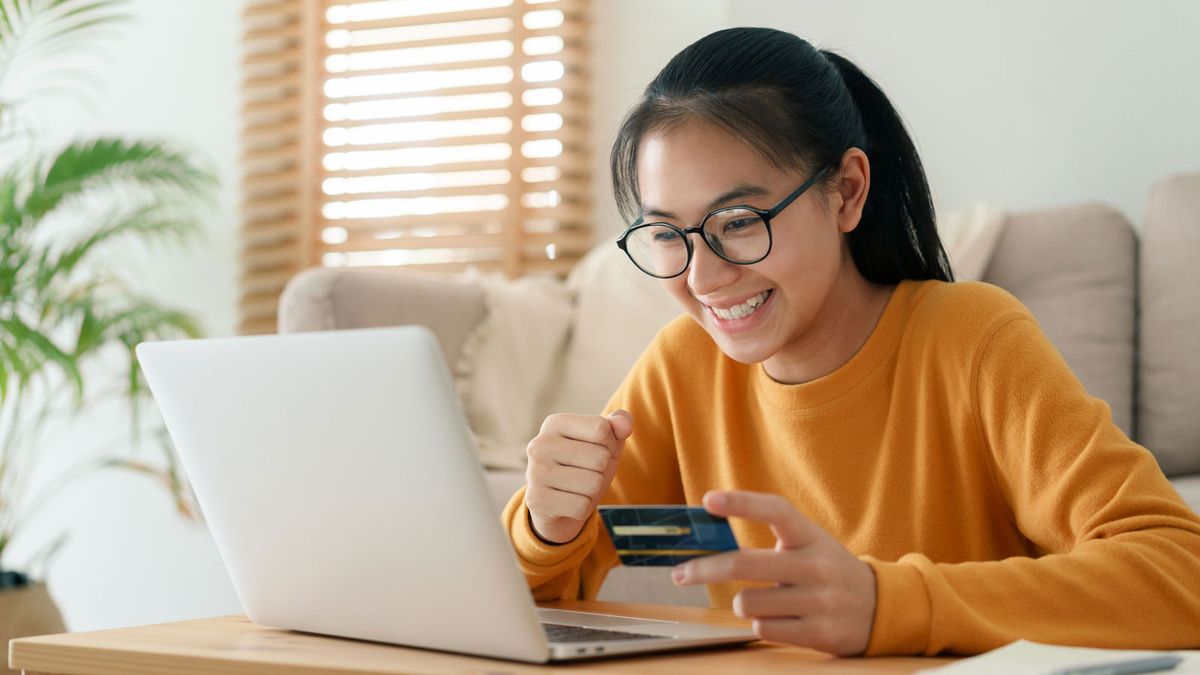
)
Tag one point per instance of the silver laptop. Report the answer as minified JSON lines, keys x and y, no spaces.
{"x":342,"y":486}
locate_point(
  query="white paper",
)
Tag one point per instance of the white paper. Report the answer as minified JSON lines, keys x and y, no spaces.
{"x":1023,"y":656}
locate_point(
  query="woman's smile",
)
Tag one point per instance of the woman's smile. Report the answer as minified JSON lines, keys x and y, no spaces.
{"x":740,"y":316}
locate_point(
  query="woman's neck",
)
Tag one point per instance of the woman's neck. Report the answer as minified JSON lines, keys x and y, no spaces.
{"x":841,"y":327}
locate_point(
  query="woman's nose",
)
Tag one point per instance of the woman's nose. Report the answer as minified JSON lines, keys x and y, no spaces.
{"x":708,"y":271}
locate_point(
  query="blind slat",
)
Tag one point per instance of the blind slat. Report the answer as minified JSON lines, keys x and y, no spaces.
{"x":280,"y":154}
{"x":567,"y":136}
{"x":289,"y":127}
{"x":569,"y":158}
{"x":413,"y":193}
{"x":269,"y":183}
{"x":423,"y":93}
{"x":571,"y":58}
{"x":569,"y":109}
{"x":267,"y":234}
{"x":284,"y":204}
{"x":269,"y":258}
{"x":393,"y":45}
{"x":271,"y":57}
{"x":569,"y":240}
{"x":286,"y":31}
{"x":427,"y":67}
{"x":267,"y":84}
{"x":569,"y":213}
{"x":283,"y":106}
{"x":567,"y":186}
{"x":425,"y":19}
{"x":276,"y":86}
{"x":259,"y":9}
{"x":558,"y":266}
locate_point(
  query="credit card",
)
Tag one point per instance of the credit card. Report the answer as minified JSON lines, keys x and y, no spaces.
{"x":665,"y":535}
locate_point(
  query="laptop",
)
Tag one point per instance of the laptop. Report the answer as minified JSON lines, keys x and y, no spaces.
{"x":342,"y":486}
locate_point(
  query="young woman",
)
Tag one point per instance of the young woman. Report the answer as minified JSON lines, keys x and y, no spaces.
{"x":909,"y":465}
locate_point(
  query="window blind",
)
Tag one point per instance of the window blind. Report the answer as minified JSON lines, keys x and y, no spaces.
{"x":425,"y":134}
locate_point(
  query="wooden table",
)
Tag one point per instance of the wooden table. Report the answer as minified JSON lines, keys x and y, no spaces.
{"x":233,"y":645}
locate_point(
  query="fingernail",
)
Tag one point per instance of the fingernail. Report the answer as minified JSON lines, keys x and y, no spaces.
{"x":716,"y":499}
{"x":677,"y":575}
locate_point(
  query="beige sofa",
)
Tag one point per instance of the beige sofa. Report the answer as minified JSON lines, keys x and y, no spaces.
{"x":1123,"y":309}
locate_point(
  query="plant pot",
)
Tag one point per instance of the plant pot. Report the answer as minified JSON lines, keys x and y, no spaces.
{"x":24,"y":611}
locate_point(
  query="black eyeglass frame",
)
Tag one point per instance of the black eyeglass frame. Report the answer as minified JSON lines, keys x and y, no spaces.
{"x":766,"y":216}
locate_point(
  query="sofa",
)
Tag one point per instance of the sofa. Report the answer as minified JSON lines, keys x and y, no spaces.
{"x":1121,"y":304}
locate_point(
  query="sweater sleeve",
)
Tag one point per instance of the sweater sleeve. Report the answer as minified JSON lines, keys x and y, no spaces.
{"x":647,"y":473}
{"x":1117,"y":560}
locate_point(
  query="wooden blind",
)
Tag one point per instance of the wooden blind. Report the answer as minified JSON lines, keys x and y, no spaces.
{"x":426,"y":134}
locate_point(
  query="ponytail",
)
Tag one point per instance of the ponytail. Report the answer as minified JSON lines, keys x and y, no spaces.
{"x":898,"y":218}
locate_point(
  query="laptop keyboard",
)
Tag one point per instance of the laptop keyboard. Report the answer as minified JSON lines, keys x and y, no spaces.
{"x":556,"y":632}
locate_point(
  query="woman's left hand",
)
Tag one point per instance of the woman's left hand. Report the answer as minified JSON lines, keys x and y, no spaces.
{"x":824,"y":596}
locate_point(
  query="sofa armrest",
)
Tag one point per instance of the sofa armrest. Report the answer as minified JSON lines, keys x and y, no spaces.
{"x":340,"y":298}
{"x":1168,"y":360}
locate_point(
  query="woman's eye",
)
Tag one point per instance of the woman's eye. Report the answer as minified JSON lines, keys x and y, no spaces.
{"x":666,"y":236}
{"x":740,"y":223}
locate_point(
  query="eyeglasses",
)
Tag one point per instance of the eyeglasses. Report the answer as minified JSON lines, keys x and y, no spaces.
{"x":738,"y":234}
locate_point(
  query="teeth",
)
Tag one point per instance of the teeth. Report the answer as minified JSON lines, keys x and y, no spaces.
{"x":743,"y":310}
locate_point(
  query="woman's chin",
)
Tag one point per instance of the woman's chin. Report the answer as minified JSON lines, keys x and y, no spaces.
{"x":742,"y":350}
{"x":747,"y":347}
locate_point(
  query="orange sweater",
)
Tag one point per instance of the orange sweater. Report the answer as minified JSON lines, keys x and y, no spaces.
{"x":955,"y":452}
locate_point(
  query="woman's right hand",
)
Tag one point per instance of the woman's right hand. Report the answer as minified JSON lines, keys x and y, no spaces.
{"x":572,"y":461}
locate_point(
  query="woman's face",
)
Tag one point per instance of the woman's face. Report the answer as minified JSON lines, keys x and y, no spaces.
{"x":681,"y":172}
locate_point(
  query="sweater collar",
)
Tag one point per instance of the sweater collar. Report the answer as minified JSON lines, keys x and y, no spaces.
{"x":825,"y":390}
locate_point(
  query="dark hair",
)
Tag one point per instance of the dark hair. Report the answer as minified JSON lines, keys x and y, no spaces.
{"x":801,"y":109}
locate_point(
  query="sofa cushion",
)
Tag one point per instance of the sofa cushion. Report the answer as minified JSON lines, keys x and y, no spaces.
{"x":1169,"y":352}
{"x":503,"y":368}
{"x":325,"y":298}
{"x":969,"y":237}
{"x":1188,"y":488}
{"x":1074,"y":269}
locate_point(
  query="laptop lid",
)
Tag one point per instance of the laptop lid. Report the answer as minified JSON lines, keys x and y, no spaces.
{"x":342,"y":487}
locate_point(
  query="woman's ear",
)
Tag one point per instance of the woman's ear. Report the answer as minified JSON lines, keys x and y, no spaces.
{"x":853,"y":188}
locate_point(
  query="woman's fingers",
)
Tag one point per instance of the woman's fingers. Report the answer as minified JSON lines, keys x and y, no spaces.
{"x":572,"y":461}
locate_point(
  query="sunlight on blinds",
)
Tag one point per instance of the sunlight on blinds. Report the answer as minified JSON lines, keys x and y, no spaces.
{"x":436,"y":134}
{"x":453,"y":134}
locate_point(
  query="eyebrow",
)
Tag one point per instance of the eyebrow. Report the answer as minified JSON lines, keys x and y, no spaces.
{"x":739,"y":191}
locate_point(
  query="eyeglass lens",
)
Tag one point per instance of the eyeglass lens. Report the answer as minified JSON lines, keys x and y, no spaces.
{"x":737,"y":235}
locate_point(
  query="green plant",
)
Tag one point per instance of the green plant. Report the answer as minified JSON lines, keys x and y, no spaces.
{"x":66,"y":313}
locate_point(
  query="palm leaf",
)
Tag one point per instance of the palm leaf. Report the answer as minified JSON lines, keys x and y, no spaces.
{"x":167,"y":477}
{"x":44,"y":348}
{"x":9,"y":213}
{"x":83,"y":166}
{"x":65,"y":43}
{"x":16,"y":259}
{"x":30,"y":30}
{"x":3,"y":385}
{"x":15,"y":362}
{"x":90,"y":334}
{"x":151,"y":191}
{"x":138,"y":321}
{"x":148,"y":222}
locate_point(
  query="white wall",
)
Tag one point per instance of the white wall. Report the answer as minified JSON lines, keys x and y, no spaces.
{"x":1026,"y":103}
{"x":632,"y":40}
{"x":129,"y":559}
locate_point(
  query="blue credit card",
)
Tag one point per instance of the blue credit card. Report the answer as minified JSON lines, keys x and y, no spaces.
{"x":665,"y":535}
